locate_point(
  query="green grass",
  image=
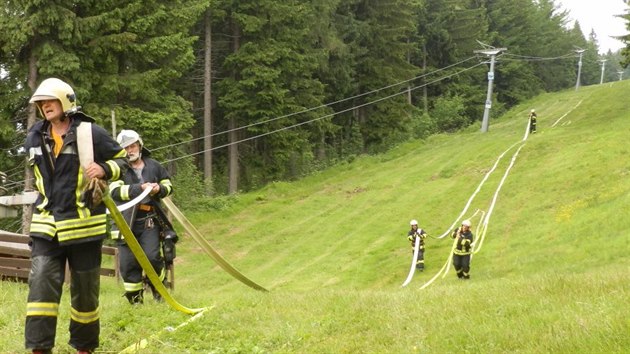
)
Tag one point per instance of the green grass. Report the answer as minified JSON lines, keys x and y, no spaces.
{"x":552,"y":275}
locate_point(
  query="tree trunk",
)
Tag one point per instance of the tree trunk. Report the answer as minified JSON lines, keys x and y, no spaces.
{"x":233,"y":157}
{"x":425,"y":99}
{"x":321,"y":149}
{"x":233,"y":167}
{"x":409,"y":84}
{"x":207,"y":99}
{"x":27,"y":210}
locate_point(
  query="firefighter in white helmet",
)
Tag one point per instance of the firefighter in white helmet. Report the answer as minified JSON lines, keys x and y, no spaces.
{"x":146,"y":219}
{"x":126,"y":137}
{"x":463,"y":250}
{"x":414,"y":233}
{"x":66,"y":226}
{"x":532,"y":121}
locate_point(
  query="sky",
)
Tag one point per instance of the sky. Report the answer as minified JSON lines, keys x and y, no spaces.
{"x":598,"y":15}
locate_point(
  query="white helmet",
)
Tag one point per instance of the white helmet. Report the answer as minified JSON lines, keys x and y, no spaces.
{"x":127,"y":137}
{"x":533,"y":111}
{"x":413,"y":222}
{"x":466,"y":223}
{"x":55,"y":89}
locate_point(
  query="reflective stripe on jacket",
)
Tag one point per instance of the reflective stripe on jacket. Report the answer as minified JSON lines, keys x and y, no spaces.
{"x":463,"y":246}
{"x":412,"y":234}
{"x":130,"y":186}
{"x":60,"y":209}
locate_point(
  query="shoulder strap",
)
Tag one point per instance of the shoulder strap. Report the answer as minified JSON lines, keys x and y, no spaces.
{"x":84,"y":144}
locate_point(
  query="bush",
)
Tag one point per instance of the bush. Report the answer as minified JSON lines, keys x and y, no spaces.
{"x":188,"y":184}
{"x":448,"y":113}
{"x":423,"y":125}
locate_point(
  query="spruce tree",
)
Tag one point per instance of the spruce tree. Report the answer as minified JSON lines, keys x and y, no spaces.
{"x":269,"y":78}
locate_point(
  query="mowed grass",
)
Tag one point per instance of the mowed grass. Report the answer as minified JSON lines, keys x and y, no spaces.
{"x":552,"y":275}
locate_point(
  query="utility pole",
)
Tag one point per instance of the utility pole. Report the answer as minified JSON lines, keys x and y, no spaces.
{"x":113,"y":123}
{"x":620,"y":75}
{"x":409,"y":84}
{"x":27,"y":209}
{"x":580,"y":51}
{"x":492,"y":52}
{"x":601,"y":79}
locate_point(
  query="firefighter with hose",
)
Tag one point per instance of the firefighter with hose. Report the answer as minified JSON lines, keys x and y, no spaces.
{"x":146,"y":219}
{"x":462,"y":250}
{"x":69,"y":222}
{"x":414,"y":233}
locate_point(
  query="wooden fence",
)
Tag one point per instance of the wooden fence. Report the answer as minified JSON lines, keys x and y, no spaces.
{"x":15,"y":258}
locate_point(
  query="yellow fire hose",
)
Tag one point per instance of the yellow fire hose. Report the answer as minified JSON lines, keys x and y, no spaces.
{"x":137,"y":251}
{"x":444,"y":268}
{"x":447,"y":265}
{"x":143,"y":344}
{"x":194,"y":233}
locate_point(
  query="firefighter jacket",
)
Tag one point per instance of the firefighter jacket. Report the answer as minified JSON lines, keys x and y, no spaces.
{"x":411,"y":236}
{"x":60,"y":208}
{"x":464,"y":243}
{"x":130,"y":186}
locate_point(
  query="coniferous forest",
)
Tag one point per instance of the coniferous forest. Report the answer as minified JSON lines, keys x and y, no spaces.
{"x":232,"y":95}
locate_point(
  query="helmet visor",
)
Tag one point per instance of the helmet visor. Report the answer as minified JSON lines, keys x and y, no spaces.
{"x":42,"y":98}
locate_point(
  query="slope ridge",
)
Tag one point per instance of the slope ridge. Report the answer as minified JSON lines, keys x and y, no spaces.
{"x":345,"y":226}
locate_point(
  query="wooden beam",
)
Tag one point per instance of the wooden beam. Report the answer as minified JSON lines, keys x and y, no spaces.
{"x":19,"y":199}
{"x":7,"y":212}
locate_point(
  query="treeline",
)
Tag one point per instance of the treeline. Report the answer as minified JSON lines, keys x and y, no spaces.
{"x":241,"y":93}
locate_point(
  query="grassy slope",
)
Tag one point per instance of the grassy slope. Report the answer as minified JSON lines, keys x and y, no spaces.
{"x":552,"y":275}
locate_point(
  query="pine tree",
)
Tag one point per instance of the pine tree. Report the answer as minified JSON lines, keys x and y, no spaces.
{"x":381,"y":49}
{"x":625,"y":52}
{"x":118,"y":55}
{"x":450,"y":31}
{"x":133,"y":54}
{"x":269,"y":77}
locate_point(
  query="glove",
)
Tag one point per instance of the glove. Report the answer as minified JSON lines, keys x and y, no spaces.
{"x":92,"y":196}
{"x":168,"y":247}
{"x":171,"y":235}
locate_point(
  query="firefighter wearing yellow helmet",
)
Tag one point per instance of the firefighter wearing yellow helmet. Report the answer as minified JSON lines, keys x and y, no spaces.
{"x":414,"y":233}
{"x":55,"y":89}
{"x":463,"y":250}
{"x":65,"y":226}
{"x":146,"y":219}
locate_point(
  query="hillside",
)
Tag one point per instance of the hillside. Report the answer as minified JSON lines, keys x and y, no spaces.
{"x":572,"y":176}
{"x":552,"y":275}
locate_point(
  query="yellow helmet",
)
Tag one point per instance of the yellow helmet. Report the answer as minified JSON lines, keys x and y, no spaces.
{"x":55,"y":89}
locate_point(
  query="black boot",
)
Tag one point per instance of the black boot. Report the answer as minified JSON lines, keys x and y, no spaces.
{"x":135,"y":297}
{"x":156,"y":295}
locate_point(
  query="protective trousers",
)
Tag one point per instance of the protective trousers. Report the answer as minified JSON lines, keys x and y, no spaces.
{"x":48,"y":261}
{"x":532,"y":125}
{"x":420,"y":259}
{"x":148,"y":235}
{"x":462,"y":265}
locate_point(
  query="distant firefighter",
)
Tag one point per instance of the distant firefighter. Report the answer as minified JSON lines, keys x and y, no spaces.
{"x":532,"y":121}
{"x":463,"y":249}
{"x":414,"y":233}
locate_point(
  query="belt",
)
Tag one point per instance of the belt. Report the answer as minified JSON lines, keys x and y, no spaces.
{"x":145,"y":207}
